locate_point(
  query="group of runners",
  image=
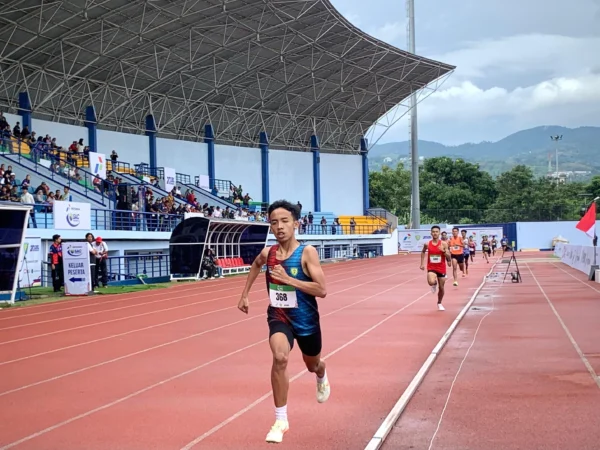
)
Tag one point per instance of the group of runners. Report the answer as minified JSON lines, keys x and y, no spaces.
{"x":456,"y":252}
{"x":295,"y":279}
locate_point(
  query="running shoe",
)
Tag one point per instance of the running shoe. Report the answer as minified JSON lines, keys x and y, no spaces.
{"x":433,"y":288}
{"x":455,"y":283}
{"x":323,"y":391}
{"x":279,"y":428}
{"x":441,"y":307}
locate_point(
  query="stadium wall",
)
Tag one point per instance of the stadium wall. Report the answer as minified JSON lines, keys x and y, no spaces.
{"x":539,"y":235}
{"x":290,"y":173}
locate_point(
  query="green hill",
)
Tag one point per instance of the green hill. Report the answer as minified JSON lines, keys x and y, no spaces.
{"x":577,"y":151}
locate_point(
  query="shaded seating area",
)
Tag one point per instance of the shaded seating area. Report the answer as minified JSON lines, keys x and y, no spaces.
{"x":234,"y":245}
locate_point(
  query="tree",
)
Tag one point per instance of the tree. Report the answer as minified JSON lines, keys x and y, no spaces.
{"x":455,"y":191}
{"x":523,"y":197}
{"x":390,"y":189}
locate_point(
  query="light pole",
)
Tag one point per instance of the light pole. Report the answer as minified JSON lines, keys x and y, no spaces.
{"x":414,"y":138}
{"x":556,"y":139}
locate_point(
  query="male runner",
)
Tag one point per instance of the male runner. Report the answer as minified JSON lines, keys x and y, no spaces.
{"x":494,"y":245}
{"x":504,"y":244}
{"x":456,"y":252}
{"x":466,"y":250}
{"x":294,"y":278}
{"x":438,"y":257}
{"x":485,"y":249}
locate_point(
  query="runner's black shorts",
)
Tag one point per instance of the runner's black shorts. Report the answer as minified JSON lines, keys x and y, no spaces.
{"x":310,"y":345}
{"x":459,"y":258}
{"x":439,"y":275}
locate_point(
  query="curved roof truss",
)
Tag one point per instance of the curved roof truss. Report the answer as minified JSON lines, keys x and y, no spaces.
{"x":292,"y":68}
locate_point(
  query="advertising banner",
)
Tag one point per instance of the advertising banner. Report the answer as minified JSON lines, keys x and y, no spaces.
{"x":169,"y":179}
{"x":97,"y":164}
{"x":76,"y":268}
{"x":31,"y":263}
{"x":413,"y":240}
{"x":72,"y":216}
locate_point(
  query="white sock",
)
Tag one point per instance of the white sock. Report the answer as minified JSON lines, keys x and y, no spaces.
{"x":322,"y":380}
{"x":281,"y":413}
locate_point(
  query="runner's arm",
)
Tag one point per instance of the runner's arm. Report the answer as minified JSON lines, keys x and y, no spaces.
{"x":317,"y":286}
{"x":423,"y":254}
{"x":259,"y":261}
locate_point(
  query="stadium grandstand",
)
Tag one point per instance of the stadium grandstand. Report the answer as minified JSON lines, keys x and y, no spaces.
{"x":150,"y":110}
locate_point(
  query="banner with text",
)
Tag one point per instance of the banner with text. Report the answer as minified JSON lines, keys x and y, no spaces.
{"x":31,"y":263}
{"x":76,"y":268}
{"x":413,"y":240}
{"x":72,"y":216}
{"x":579,"y":257}
{"x":169,"y":179}
{"x":97,"y":164}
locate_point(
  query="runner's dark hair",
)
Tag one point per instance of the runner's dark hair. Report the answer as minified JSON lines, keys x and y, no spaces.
{"x":285,"y":205}
{"x":434,"y":227}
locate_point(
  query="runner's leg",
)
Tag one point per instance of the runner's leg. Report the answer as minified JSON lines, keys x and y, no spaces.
{"x":311,"y":346}
{"x":432,"y":281}
{"x":281,"y":343}
{"x":442,"y":283}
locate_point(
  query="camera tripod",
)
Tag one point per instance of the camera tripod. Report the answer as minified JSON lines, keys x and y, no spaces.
{"x":515,"y":276}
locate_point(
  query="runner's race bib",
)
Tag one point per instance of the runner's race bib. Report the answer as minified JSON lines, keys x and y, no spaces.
{"x":435,"y":259}
{"x":282,"y":296}
{"x":485,"y":247}
{"x":456,"y":247}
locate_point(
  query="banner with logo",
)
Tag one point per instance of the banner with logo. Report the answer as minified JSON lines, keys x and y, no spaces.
{"x":31,"y":263}
{"x":169,"y":179}
{"x":76,"y":268}
{"x":412,"y":240}
{"x":72,"y":216}
{"x":97,"y":164}
{"x":579,"y":257}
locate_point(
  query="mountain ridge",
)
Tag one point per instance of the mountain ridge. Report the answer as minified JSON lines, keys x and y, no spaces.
{"x":577,"y":151}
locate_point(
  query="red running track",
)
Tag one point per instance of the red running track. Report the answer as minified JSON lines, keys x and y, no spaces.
{"x":520,"y":371}
{"x":183,"y":368}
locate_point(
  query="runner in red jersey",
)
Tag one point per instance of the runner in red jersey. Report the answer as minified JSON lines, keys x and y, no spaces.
{"x":437,"y":260}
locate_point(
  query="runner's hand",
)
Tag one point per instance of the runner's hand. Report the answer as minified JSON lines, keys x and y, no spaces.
{"x":243,"y":304}
{"x":279,"y":273}
{"x":422,"y":267}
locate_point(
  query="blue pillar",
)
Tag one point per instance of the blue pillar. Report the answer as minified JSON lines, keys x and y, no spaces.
{"x":364,"y":151}
{"x":91,"y":123}
{"x":264,"y":159}
{"x":315,"y":149}
{"x":25,"y":110}
{"x":151,"y":133}
{"x":209,"y":139}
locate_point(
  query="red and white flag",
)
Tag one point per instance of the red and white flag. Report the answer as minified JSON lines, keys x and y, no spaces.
{"x":587,"y":224}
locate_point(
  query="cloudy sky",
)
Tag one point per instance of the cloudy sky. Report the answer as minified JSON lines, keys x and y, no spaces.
{"x":520,"y":63}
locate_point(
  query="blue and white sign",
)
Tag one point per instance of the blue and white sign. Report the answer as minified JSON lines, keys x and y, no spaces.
{"x":76,"y":268}
{"x":72,"y":216}
{"x":169,"y":179}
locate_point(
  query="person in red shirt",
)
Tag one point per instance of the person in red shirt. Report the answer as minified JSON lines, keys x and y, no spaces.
{"x":56,"y":262}
{"x":438,"y":259}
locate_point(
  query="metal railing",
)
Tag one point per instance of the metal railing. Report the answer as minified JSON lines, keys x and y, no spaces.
{"x":387,"y":218}
{"x":108,"y":219}
{"x":122,"y":268}
{"x":332,"y":230}
{"x":47,"y":163}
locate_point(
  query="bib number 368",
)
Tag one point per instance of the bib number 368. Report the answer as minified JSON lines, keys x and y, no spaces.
{"x":282,"y":296}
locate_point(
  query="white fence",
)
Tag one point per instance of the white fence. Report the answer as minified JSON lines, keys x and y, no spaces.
{"x":579,"y":257}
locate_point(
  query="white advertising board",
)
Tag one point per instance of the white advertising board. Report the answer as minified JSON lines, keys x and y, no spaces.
{"x":72,"y":216}
{"x":579,"y":257}
{"x":31,"y":263}
{"x":76,"y":268}
{"x":412,"y":240}
{"x":204,"y":183}
{"x":169,"y":179}
{"x":97,"y":164}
